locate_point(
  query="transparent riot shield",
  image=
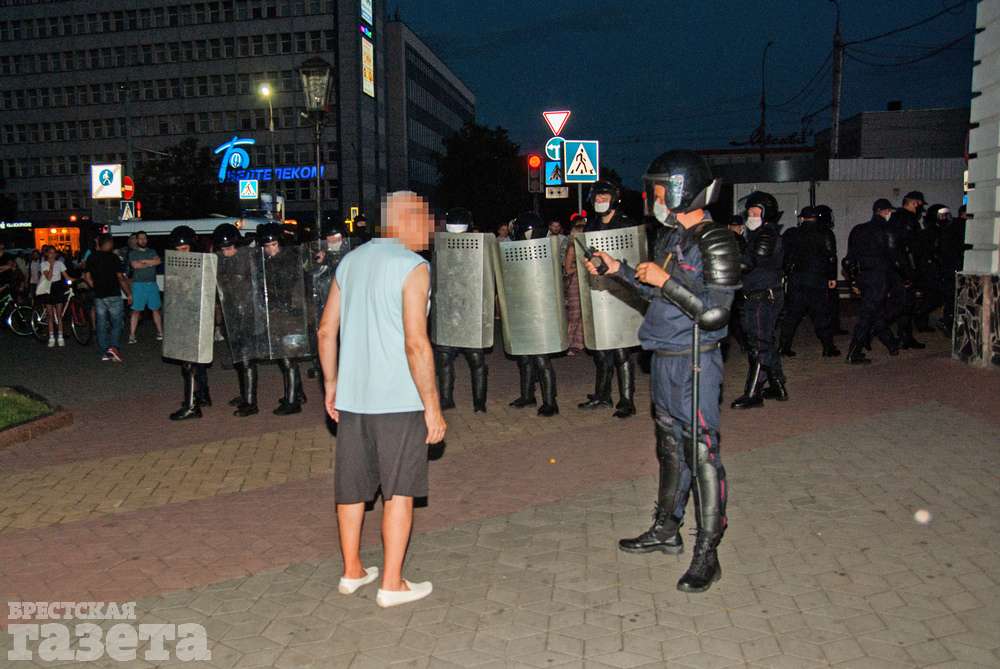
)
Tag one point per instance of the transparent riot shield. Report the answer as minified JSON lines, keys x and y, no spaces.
{"x":611,"y":311}
{"x":319,"y":262}
{"x":189,"y":285}
{"x":280,"y":304}
{"x":236,"y":297}
{"x":530,"y":291}
{"x":463,"y":297}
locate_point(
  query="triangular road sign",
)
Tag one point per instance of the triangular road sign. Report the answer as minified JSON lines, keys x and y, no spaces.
{"x":581,"y":165}
{"x":556,"y":120}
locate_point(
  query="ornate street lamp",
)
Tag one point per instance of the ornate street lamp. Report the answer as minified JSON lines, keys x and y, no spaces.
{"x":316,"y":76}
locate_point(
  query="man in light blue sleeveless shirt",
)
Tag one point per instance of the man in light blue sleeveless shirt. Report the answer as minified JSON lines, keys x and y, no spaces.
{"x":381,"y":390}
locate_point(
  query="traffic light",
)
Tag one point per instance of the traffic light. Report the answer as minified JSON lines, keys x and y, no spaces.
{"x":534,"y":173}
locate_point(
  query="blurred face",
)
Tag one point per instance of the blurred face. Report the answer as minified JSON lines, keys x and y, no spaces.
{"x":105,"y":246}
{"x":50,"y":254}
{"x":555,"y":228}
{"x":141,"y":241}
{"x":885,"y":213}
{"x":229,"y":251}
{"x":503,"y":230}
{"x":408,"y":219}
{"x":271,"y":249}
{"x":183,"y":248}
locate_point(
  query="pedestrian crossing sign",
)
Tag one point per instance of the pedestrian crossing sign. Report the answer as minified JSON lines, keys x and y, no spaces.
{"x":126,"y":210}
{"x":249,"y":189}
{"x":553,"y":173}
{"x":582,"y":161}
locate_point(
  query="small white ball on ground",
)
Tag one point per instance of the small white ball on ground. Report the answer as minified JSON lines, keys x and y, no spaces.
{"x":922,"y":516}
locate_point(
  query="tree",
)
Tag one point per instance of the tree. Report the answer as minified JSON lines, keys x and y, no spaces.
{"x":184,"y":184}
{"x":482,"y":171}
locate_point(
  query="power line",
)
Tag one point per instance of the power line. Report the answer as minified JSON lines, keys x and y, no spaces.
{"x":950,"y":9}
{"x":808,"y":84}
{"x":900,"y":63}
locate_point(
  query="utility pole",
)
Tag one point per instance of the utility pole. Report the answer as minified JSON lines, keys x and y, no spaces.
{"x":838,"y":79}
{"x":763,"y":102}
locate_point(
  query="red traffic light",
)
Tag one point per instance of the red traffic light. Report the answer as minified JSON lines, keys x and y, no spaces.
{"x":72,"y":218}
{"x":534,"y":161}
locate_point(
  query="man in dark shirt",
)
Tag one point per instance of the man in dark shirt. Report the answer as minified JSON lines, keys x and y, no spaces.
{"x":105,"y":275}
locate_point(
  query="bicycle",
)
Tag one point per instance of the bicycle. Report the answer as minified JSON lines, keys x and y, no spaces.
{"x":15,"y":316}
{"x":79,"y":322}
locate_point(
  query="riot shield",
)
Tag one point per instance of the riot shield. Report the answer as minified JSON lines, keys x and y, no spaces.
{"x":189,"y":286}
{"x":463,"y":296}
{"x":611,"y":311}
{"x":280,"y":305}
{"x":530,"y":291}
{"x":236,"y":296}
{"x":320,"y":261}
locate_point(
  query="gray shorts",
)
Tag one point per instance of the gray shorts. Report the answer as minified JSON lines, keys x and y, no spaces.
{"x":380,"y":450}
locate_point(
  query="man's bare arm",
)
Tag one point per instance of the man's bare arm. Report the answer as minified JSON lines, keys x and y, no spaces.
{"x":329,"y":330}
{"x":419,"y":353}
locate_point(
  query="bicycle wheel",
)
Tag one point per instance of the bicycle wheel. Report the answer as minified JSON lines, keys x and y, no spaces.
{"x":40,"y":323}
{"x":20,"y":321}
{"x":79,"y":323}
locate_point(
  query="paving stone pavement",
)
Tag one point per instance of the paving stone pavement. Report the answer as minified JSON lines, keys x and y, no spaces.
{"x":824,"y":564}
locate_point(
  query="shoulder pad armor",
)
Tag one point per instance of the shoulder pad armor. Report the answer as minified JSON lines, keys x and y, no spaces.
{"x":766,"y":242}
{"x":720,"y":255}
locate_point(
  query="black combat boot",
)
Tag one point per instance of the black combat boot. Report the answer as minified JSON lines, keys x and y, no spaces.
{"x":775,"y":387}
{"x":626,"y":390}
{"x":910,"y":342}
{"x":708,"y":485}
{"x":664,"y":535}
{"x":526,"y":370}
{"x":752,"y":397}
{"x":291,"y":403}
{"x":480,"y":376}
{"x":830,"y":349}
{"x":547,"y":380}
{"x":202,"y":395}
{"x":856,"y":354}
{"x":248,"y":406}
{"x":602,"y":384}
{"x":786,"y":350}
{"x":446,"y":380}
{"x":189,"y":407}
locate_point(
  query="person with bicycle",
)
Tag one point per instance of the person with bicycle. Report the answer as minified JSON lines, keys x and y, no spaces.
{"x":51,"y":292}
{"x":105,"y":276}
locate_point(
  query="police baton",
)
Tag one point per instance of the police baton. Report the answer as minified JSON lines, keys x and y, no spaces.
{"x":695,"y":383}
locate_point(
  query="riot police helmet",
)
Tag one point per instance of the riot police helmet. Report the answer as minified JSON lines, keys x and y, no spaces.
{"x":528,"y":225}
{"x":824,"y":215}
{"x":458,"y":219}
{"x":182,"y":235}
{"x":331,"y":228}
{"x":269,"y":232}
{"x":766,"y":202}
{"x":604,"y":187}
{"x":686,"y":180}
{"x":225,"y":235}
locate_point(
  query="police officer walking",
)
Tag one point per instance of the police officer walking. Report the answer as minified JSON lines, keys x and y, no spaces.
{"x":605,"y":199}
{"x":762,"y":300}
{"x":870,"y":262}
{"x":692,"y":278}
{"x":811,"y":263}
{"x":195,"y":375}
{"x":459,"y":221}
{"x":904,"y":226}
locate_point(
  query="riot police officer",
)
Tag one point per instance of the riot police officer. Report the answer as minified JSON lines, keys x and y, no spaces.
{"x":362,"y":232}
{"x":762,"y":300}
{"x":235,"y":287}
{"x":870,"y":261}
{"x":195,"y":375}
{"x":811,"y":265}
{"x":534,"y":368}
{"x":692,"y":278}
{"x":457,"y":221}
{"x":904,"y":226}
{"x":605,"y":200}
{"x":932,"y":265}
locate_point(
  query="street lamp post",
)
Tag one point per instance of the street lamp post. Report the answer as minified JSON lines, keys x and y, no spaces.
{"x":315,"y":74}
{"x":266,"y":92}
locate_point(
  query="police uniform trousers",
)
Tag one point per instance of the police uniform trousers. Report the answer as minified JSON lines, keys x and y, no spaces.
{"x":445,"y":367}
{"x":759,"y":316}
{"x":671,"y":390}
{"x":606,"y":363}
{"x":901,"y":303}
{"x":872,"y":315}
{"x":807,"y":295}
{"x":196,"y":374}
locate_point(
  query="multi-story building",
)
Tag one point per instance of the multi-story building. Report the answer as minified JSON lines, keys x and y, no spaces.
{"x":121,"y":81}
{"x":426,"y":103}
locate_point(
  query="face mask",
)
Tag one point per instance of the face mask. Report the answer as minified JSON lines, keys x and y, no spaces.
{"x":660,"y":212}
{"x":887,"y":216}
{"x":335,"y":246}
{"x":456,"y":228}
{"x":754,"y":222}
{"x":602,"y":207}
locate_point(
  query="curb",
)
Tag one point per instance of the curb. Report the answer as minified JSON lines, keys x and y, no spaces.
{"x":58,"y":418}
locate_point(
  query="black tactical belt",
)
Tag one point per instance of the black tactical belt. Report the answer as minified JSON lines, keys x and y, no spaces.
{"x":704,"y":348}
{"x":769,"y":294}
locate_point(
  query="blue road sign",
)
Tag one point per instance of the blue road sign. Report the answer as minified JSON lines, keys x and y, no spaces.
{"x":553,"y":173}
{"x":107,"y":177}
{"x":582,"y":161}
{"x":553,"y":148}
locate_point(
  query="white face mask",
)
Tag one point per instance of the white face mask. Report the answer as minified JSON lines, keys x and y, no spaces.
{"x":754,"y":222}
{"x":886,"y":216}
{"x":602,"y":207}
{"x":660,"y":211}
{"x":456,"y":228}
{"x":335,"y":246}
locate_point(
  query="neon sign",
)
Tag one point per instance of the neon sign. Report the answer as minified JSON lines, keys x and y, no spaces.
{"x":235,"y":165}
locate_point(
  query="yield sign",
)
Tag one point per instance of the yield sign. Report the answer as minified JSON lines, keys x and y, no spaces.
{"x":556,"y":120}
